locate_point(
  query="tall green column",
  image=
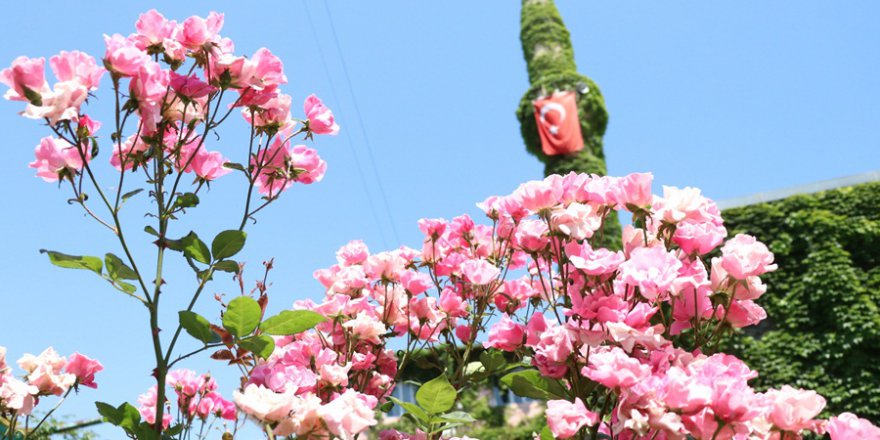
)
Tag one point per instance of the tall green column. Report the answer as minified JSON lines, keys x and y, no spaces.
{"x":550,"y":61}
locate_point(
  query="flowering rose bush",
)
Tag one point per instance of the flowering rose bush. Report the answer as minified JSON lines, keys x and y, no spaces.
{"x":620,"y":343}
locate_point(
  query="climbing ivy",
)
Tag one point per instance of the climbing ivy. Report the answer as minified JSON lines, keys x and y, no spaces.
{"x":823,"y":330}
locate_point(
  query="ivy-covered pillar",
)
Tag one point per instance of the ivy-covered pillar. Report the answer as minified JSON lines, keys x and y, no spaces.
{"x":550,"y":61}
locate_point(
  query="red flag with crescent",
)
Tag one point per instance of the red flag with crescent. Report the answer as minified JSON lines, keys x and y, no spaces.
{"x":558,"y":124}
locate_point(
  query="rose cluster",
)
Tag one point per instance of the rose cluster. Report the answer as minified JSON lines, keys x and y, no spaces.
{"x":48,"y":374}
{"x":197,"y":399}
{"x":177,"y":75}
{"x":628,"y":335}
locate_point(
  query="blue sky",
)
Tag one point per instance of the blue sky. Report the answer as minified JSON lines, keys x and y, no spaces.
{"x":734,"y":98}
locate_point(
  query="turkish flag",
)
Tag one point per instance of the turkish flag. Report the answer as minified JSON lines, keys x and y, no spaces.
{"x":558,"y":124}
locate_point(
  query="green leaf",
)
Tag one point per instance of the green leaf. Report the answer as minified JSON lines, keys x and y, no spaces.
{"x":242,"y":316}
{"x":547,"y":434}
{"x":109,"y":412}
{"x":437,"y":395}
{"x":117,"y":269}
{"x":227,"y":266}
{"x":74,"y":261}
{"x":260,"y":345}
{"x":492,"y":359}
{"x":457,"y":417}
{"x":530,"y":383}
{"x":124,"y":287}
{"x":227,"y":243}
{"x":186,"y":200}
{"x":234,"y":166}
{"x":124,"y":416}
{"x":152,"y":231}
{"x":193,"y":247}
{"x":197,"y":326}
{"x":291,"y":322}
{"x":413,"y":410}
{"x":386,"y":407}
{"x":131,"y":194}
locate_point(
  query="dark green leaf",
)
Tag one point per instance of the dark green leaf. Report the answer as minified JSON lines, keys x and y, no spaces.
{"x":530,"y":383}
{"x":193,"y":247}
{"x":260,"y":345}
{"x":186,"y":200}
{"x":197,"y":326}
{"x":291,"y":322}
{"x":74,"y":261}
{"x":234,"y":166}
{"x":117,"y":269}
{"x":151,"y":230}
{"x":436,"y":396}
{"x":492,"y":359}
{"x":227,"y":243}
{"x":227,"y":266}
{"x":242,"y":316}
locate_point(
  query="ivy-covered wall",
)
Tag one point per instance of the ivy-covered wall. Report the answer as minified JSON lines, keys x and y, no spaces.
{"x":550,"y":62}
{"x":823,"y":303}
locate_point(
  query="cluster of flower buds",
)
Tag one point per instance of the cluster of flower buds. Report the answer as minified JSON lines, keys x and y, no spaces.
{"x":197,"y":399}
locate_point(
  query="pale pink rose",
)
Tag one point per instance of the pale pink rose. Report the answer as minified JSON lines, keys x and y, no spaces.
{"x":366,"y":328}
{"x":195,"y":32}
{"x":414,"y":282}
{"x":535,"y":328}
{"x":320,"y":117}
{"x":349,"y":414}
{"x":305,"y":420}
{"x":334,"y":374}
{"x":452,"y":303}
{"x":62,"y":103}
{"x":479,"y":272}
{"x":147,"y":408}
{"x":25,"y":76}
{"x":84,"y":369}
{"x":264,"y":404}
{"x":17,"y":395}
{"x":744,"y":256}
{"x":698,"y":238}
{"x":308,"y":167}
{"x":432,"y":227}
{"x":598,"y":190}
{"x":55,"y":158}
{"x":274,"y":113}
{"x":577,"y":221}
{"x":506,"y":335}
{"x":848,"y":426}
{"x":552,"y":351}
{"x":597,"y":262}
{"x":77,"y":66}
{"x":122,"y":57}
{"x":635,"y":190}
{"x":682,"y":392}
{"x":153,"y":29}
{"x":652,"y":270}
{"x":127,"y":153}
{"x":46,"y":372}
{"x":793,"y":409}
{"x":354,"y":252}
{"x":531,"y":236}
{"x":749,"y":288}
{"x":678,"y":204}
{"x":539,"y":194}
{"x":261,"y":71}
{"x":191,"y":86}
{"x":208,"y":165}
{"x":613,"y":368}
{"x":566,"y":418}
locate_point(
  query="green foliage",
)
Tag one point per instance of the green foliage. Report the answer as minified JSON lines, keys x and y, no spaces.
{"x":291,"y":322}
{"x":823,"y":330}
{"x":242,"y":316}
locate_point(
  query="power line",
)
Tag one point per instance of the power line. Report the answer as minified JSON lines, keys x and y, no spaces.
{"x":361,"y":123}
{"x":350,"y":143}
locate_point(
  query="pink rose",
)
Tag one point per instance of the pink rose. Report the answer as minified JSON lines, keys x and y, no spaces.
{"x":84,"y":369}
{"x":320,"y":117}
{"x":153,"y":29}
{"x":26,"y":79}
{"x":191,"y":86}
{"x":635,"y":190}
{"x":539,"y":194}
{"x":349,"y":413}
{"x":531,"y":236}
{"x":208,"y":165}
{"x":566,"y":418}
{"x":848,"y":426}
{"x":196,"y":31}
{"x":479,"y":272}
{"x":614,"y":368}
{"x":744,"y":256}
{"x":698,"y":238}
{"x":506,"y":335}
{"x":17,"y":395}
{"x":308,"y":167}
{"x":56,"y":159}
{"x":122,"y":57}
{"x":77,"y":66}
{"x":652,"y":270}
{"x":792,"y":409}
{"x":264,"y":404}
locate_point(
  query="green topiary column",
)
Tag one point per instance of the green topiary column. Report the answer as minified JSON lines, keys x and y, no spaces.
{"x":550,"y":61}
